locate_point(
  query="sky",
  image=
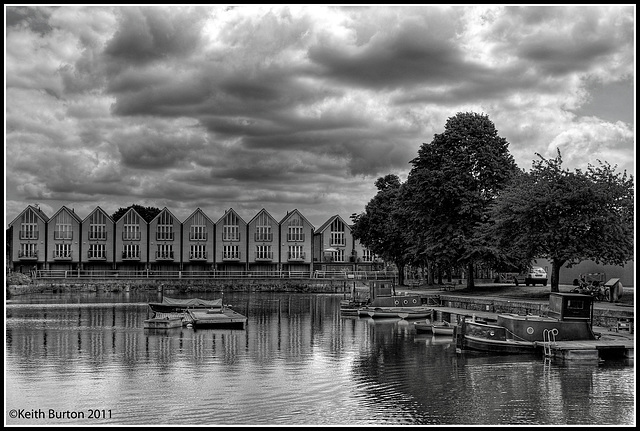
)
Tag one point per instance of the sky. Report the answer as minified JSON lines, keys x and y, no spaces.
{"x":283,"y":107}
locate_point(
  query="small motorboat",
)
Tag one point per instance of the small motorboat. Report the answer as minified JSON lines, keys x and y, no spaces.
{"x":400,"y":312}
{"x":175,"y":305}
{"x":443,"y":328}
{"x":423,"y":326}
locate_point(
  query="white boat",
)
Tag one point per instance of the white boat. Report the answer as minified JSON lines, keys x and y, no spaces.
{"x":442,"y":328}
{"x":400,"y":312}
{"x":423,"y":326}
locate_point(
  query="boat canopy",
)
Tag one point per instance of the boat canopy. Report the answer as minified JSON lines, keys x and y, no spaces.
{"x":193,"y":302}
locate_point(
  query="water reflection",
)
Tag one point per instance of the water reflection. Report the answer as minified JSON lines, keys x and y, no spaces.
{"x":297,"y":362}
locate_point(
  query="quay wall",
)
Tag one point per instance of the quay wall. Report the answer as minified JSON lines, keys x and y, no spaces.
{"x":244,"y":285}
{"x":605,"y":317}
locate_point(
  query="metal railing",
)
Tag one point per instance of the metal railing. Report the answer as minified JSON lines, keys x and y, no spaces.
{"x":213,"y":274}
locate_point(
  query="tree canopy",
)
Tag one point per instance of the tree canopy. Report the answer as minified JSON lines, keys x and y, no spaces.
{"x":453,"y":181}
{"x":565,"y":216}
{"x":147,"y":213}
{"x":381,"y":227}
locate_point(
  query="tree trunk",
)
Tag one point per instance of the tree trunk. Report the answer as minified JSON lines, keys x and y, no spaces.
{"x":470,"y":275}
{"x":400,"y":273}
{"x":430,"y":269}
{"x":556,"y":264}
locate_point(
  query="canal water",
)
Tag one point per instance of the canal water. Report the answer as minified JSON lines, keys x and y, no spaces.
{"x":85,"y":359}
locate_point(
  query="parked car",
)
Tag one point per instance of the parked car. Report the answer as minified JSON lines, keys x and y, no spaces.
{"x":535,"y":275}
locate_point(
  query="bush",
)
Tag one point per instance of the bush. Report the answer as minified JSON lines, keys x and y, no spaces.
{"x":17,"y":278}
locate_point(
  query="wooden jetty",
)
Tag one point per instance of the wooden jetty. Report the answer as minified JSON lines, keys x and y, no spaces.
{"x":217,"y":318}
{"x":611,"y":345}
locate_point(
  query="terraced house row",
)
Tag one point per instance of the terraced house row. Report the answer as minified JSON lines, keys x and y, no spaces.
{"x":64,"y":241}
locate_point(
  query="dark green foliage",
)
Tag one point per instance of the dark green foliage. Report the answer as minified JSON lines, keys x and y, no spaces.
{"x":565,"y":216}
{"x":381,"y":227}
{"x":453,"y":181}
{"x":147,"y":213}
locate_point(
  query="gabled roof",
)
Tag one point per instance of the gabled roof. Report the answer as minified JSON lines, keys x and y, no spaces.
{"x":266,"y":212}
{"x":295,"y":211}
{"x":137,"y":213}
{"x":163,"y":210}
{"x":198,"y":210}
{"x":230,"y":210}
{"x":36,"y":210}
{"x":328,"y":223}
{"x":96,"y":210}
{"x":67,"y":210}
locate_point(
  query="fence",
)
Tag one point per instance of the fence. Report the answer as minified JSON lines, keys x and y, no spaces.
{"x":44,"y":274}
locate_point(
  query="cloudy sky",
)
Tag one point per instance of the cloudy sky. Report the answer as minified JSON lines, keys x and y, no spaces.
{"x":295,"y":107}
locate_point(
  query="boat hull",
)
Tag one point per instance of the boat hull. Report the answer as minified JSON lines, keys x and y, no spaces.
{"x":442,"y":329}
{"x":172,"y":305}
{"x":503,"y":338}
{"x":397,"y":312}
{"x":424,"y":327}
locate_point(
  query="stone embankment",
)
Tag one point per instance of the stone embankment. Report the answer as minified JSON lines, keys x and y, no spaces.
{"x":242,"y":285}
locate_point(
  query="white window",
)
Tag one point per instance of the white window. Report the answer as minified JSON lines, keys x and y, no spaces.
{"x":367,"y":256}
{"x":230,"y":228}
{"x":264,"y":252}
{"x":97,"y":251}
{"x":98,"y":226}
{"x":63,"y":229}
{"x":131,"y":251}
{"x":296,"y":252}
{"x":164,"y":230}
{"x":337,"y":233}
{"x":164,"y":251}
{"x":28,"y":250}
{"x":198,"y":251}
{"x":62,"y":251}
{"x":230,"y":252}
{"x":263,"y":228}
{"x":295,"y":229}
{"x":131,"y":227}
{"x":29,"y":225}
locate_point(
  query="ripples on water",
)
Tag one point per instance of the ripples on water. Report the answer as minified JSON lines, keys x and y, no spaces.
{"x":298,"y":362}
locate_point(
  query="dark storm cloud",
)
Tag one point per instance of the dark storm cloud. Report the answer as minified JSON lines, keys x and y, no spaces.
{"x":35,"y":18}
{"x":407,"y":55}
{"x":156,"y":149}
{"x":293,"y":106}
{"x":147,"y":34}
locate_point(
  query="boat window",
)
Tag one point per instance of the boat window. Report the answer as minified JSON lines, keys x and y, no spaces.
{"x":575,"y":304}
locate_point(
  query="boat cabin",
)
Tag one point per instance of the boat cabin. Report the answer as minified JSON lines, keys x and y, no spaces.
{"x":570,"y":306}
{"x":382,"y":293}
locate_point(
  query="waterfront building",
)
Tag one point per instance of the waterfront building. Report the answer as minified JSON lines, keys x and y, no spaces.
{"x":263,"y":232}
{"x":27,"y":236}
{"x":164,"y":244}
{"x":230,"y":245}
{"x":296,"y":242}
{"x":132,"y":244}
{"x":64,"y":243}
{"x":63,"y":240}
{"x":333,"y":245}
{"x":198,"y":235}
{"x":98,"y":241}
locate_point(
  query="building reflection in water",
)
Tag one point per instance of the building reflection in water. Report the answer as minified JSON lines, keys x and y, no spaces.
{"x":298,"y":354}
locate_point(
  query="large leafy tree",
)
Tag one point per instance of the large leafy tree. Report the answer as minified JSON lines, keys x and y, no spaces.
{"x":147,"y":213}
{"x":381,"y":227}
{"x":451,"y":185}
{"x":567,"y":217}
